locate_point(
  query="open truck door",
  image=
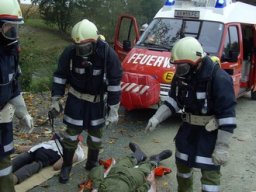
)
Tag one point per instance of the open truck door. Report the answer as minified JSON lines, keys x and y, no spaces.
{"x":238,"y":57}
{"x":232,"y":54}
{"x":226,"y":29}
{"x":126,"y":35}
{"x":252,"y":76}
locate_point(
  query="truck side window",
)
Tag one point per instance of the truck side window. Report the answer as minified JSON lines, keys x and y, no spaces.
{"x":231,"y":49}
{"x":127,"y":34}
{"x":210,"y":31}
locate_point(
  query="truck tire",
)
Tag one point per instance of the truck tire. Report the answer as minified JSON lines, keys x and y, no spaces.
{"x":253,"y":95}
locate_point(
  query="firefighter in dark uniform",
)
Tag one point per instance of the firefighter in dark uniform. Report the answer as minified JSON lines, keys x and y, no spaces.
{"x":11,"y":100}
{"x":92,"y":69}
{"x":205,"y":95}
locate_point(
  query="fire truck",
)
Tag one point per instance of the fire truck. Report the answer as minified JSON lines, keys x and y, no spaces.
{"x":225,"y":29}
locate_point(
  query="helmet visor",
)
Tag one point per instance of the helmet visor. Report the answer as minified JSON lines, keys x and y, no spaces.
{"x":10,"y":30}
{"x":182,"y":69}
{"x":84,"y":49}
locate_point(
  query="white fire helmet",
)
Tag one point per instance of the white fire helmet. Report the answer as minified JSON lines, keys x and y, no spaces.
{"x":186,"y":53}
{"x":85,"y":35}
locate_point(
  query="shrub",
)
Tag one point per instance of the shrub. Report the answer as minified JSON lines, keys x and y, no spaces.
{"x":40,"y":49}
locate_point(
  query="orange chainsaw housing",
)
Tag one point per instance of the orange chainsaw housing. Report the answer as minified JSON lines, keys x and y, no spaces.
{"x":139,"y":91}
{"x":161,"y":171}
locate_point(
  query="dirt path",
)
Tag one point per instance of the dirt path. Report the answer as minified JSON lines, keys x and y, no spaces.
{"x":238,"y":175}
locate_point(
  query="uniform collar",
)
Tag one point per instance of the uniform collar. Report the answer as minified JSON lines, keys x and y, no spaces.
{"x":205,"y":71}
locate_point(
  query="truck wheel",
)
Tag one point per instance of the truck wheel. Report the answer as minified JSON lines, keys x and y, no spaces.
{"x":253,"y":95}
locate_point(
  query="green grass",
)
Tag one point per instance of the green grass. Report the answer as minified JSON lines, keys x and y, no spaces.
{"x":39,"y":23}
{"x":41,"y":46}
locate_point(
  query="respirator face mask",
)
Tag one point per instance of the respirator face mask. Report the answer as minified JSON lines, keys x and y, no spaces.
{"x":85,"y":49}
{"x":182,"y":69}
{"x":9,"y":30}
{"x":8,"y":33}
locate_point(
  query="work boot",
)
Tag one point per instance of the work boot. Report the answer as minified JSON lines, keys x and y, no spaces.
{"x":92,"y":159}
{"x":155,"y":159}
{"x":138,"y":154}
{"x":66,"y":166}
{"x":6,"y":181}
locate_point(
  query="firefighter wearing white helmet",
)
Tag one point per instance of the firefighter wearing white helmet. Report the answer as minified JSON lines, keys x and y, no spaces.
{"x":187,"y":53}
{"x":10,"y":96}
{"x":91,"y":68}
{"x":85,"y":35}
{"x":204,"y":93}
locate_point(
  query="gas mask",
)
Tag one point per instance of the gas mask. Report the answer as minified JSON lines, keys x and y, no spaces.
{"x":8,"y":33}
{"x":85,"y":62}
{"x":183,"y":69}
{"x":85,"y":49}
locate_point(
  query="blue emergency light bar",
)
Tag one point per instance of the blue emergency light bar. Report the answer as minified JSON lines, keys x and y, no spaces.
{"x":220,"y":4}
{"x":169,"y":2}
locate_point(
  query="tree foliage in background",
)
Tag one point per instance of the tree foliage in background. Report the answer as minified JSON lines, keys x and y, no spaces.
{"x":104,"y":13}
{"x":43,"y":45}
{"x":56,"y":12}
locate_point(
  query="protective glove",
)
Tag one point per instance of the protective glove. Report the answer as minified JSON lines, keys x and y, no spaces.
{"x":21,"y":113}
{"x":55,"y":108}
{"x":220,"y":155}
{"x":162,"y":113}
{"x":27,"y":122}
{"x":112,"y":116}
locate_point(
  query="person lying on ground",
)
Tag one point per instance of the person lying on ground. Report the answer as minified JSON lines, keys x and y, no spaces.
{"x":131,"y":173}
{"x":44,"y":154}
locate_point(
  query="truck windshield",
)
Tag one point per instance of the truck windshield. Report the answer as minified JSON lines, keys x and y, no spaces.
{"x":162,"y":33}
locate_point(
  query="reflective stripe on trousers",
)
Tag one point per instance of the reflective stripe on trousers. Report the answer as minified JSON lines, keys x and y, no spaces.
{"x":94,"y":140}
{"x":6,"y":179}
{"x":184,"y":178}
{"x":77,"y":122}
{"x":198,"y":159}
{"x":210,"y":179}
{"x":5,"y":171}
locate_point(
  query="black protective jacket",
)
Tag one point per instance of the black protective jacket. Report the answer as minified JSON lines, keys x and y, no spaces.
{"x":87,"y":77}
{"x":9,"y":88}
{"x":207,"y":92}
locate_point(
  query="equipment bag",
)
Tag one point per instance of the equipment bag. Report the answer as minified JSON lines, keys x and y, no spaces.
{"x":139,"y":91}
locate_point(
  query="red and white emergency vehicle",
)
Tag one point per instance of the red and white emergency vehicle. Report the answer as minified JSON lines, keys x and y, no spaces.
{"x":225,"y":29}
